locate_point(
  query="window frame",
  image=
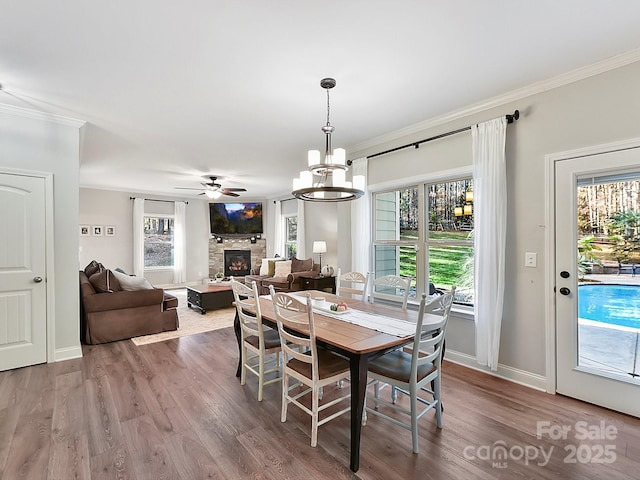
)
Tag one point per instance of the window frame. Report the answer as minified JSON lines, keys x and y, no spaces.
{"x":423,"y":241}
{"x":286,"y":241}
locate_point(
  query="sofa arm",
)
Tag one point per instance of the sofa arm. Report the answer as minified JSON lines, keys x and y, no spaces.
{"x":293,"y":277}
{"x":101,"y":302}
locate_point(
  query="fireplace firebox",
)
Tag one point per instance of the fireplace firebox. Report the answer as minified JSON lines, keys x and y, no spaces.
{"x":237,"y":263}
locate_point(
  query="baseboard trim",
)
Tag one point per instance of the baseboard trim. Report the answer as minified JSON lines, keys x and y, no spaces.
{"x":68,"y":353}
{"x":515,"y":375}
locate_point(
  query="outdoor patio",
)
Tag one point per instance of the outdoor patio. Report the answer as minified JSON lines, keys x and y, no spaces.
{"x":610,"y":348}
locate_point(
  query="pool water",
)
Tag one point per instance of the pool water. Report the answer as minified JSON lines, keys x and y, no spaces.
{"x":613,"y":304}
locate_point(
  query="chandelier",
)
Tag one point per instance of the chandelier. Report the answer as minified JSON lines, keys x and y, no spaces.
{"x":325,"y":179}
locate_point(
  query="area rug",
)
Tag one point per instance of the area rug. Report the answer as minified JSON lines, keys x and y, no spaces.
{"x":191,"y":321}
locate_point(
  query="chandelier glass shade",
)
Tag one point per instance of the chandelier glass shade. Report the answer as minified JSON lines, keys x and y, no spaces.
{"x":325,"y":178}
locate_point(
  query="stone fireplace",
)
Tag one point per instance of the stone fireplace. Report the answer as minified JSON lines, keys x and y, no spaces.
{"x":217,"y":251}
{"x":237,"y":263}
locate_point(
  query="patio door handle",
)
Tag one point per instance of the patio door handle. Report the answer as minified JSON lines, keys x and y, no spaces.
{"x":565,"y":274}
{"x":565,"y":291}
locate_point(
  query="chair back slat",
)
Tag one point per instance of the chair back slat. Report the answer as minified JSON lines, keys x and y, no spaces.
{"x":352,"y":283}
{"x":391,"y":288}
{"x":291,"y":312}
{"x":247,"y":298}
{"x":428,"y":341}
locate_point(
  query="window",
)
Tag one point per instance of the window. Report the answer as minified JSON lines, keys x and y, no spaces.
{"x":290,"y":236}
{"x":158,"y":241}
{"x":450,"y":238}
{"x":425,"y":231}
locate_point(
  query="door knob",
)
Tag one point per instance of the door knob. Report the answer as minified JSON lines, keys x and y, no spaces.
{"x":564,"y":274}
{"x":565,"y":291}
{"x":37,"y":279}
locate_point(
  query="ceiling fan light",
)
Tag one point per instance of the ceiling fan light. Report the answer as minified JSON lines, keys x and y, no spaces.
{"x":212,"y":194}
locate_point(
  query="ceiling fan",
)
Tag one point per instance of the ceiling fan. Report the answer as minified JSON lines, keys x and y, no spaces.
{"x":214,"y":190}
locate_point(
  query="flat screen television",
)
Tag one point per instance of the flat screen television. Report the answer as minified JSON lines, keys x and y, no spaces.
{"x":235,"y":218}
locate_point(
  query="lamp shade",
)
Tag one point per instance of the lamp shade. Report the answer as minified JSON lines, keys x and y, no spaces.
{"x":319,"y":247}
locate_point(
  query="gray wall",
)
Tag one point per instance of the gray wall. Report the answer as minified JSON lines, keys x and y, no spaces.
{"x":105,"y":207}
{"x":599,"y":109}
{"x":34,"y":141}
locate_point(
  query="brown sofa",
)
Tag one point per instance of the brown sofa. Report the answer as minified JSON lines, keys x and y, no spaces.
{"x":111,"y":314}
{"x":289,"y":283}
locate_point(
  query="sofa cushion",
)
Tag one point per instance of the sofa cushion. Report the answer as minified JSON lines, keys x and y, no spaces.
{"x":267,"y":266}
{"x":301,"y":265}
{"x":282,"y":269}
{"x":105,"y":281}
{"x":132,"y":283}
{"x":92,"y":268}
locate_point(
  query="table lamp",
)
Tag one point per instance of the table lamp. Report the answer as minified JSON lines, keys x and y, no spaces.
{"x":320,"y":247}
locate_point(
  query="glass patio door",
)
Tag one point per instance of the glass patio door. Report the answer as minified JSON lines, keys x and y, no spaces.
{"x":597,"y":296}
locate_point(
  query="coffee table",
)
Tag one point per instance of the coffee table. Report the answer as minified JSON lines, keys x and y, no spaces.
{"x":207,"y":297}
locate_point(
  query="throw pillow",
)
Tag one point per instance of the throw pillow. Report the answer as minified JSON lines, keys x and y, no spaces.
{"x":105,"y":281}
{"x":282,"y":269}
{"x":131,"y":283}
{"x":301,"y":265}
{"x":92,"y":268}
{"x":264,"y":267}
{"x":272,"y":268}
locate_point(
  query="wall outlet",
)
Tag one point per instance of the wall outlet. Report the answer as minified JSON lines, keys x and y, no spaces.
{"x":530,"y":259}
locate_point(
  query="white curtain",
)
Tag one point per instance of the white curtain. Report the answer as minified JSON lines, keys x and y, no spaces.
{"x":179,"y":244}
{"x":278,"y":243}
{"x":138,"y":236}
{"x":360,"y":223}
{"x":490,"y":230}
{"x":301,"y":240}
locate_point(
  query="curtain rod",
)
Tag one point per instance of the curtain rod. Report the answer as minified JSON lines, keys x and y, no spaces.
{"x":510,"y":119}
{"x":153,"y":200}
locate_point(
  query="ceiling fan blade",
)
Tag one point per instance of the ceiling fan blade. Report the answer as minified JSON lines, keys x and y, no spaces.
{"x":235,"y":189}
{"x":229,"y":193}
{"x":186,"y":188}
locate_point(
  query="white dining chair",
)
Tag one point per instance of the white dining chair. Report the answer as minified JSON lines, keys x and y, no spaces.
{"x":304,"y":362}
{"x":354,"y":284}
{"x":411,"y":372}
{"x":258,"y":342}
{"x":391,"y":288}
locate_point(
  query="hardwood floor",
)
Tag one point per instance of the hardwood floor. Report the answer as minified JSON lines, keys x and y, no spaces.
{"x":176,"y":410}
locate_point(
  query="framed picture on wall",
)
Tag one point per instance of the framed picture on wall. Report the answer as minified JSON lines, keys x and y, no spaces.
{"x":110,"y":231}
{"x":85,"y":230}
{"x":97,"y":230}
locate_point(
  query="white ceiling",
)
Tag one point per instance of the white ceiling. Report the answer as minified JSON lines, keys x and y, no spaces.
{"x":174,"y":91}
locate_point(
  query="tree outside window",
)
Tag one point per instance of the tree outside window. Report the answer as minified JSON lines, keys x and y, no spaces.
{"x":158,"y":242}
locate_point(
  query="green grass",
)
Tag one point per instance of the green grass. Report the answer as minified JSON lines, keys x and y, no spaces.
{"x":446,"y":262}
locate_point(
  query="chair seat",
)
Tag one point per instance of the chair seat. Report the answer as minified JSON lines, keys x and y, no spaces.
{"x":329,"y":365}
{"x":397,"y":365}
{"x":271,"y":339}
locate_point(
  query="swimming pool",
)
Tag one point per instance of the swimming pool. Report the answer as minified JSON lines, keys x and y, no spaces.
{"x":610,"y":303}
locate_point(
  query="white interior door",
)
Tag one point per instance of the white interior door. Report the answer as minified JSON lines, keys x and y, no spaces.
{"x":576,"y":375}
{"x":23,"y":321}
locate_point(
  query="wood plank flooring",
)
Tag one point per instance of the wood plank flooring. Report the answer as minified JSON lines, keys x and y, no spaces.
{"x":175,"y":410}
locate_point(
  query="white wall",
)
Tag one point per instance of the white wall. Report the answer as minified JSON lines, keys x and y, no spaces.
{"x":105,"y":207}
{"x":35,"y":141}
{"x":599,"y":109}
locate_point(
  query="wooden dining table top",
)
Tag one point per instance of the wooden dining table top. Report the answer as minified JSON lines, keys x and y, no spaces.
{"x":348,"y":336}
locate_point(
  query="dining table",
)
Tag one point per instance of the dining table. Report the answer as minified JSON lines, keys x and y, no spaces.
{"x":359,"y":341}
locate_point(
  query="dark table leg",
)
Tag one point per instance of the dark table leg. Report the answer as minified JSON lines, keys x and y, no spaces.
{"x":236,"y":329}
{"x":359,"y":366}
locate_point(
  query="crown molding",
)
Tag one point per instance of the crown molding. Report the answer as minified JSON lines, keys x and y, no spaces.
{"x":567,"y":78}
{"x":44,"y":116}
